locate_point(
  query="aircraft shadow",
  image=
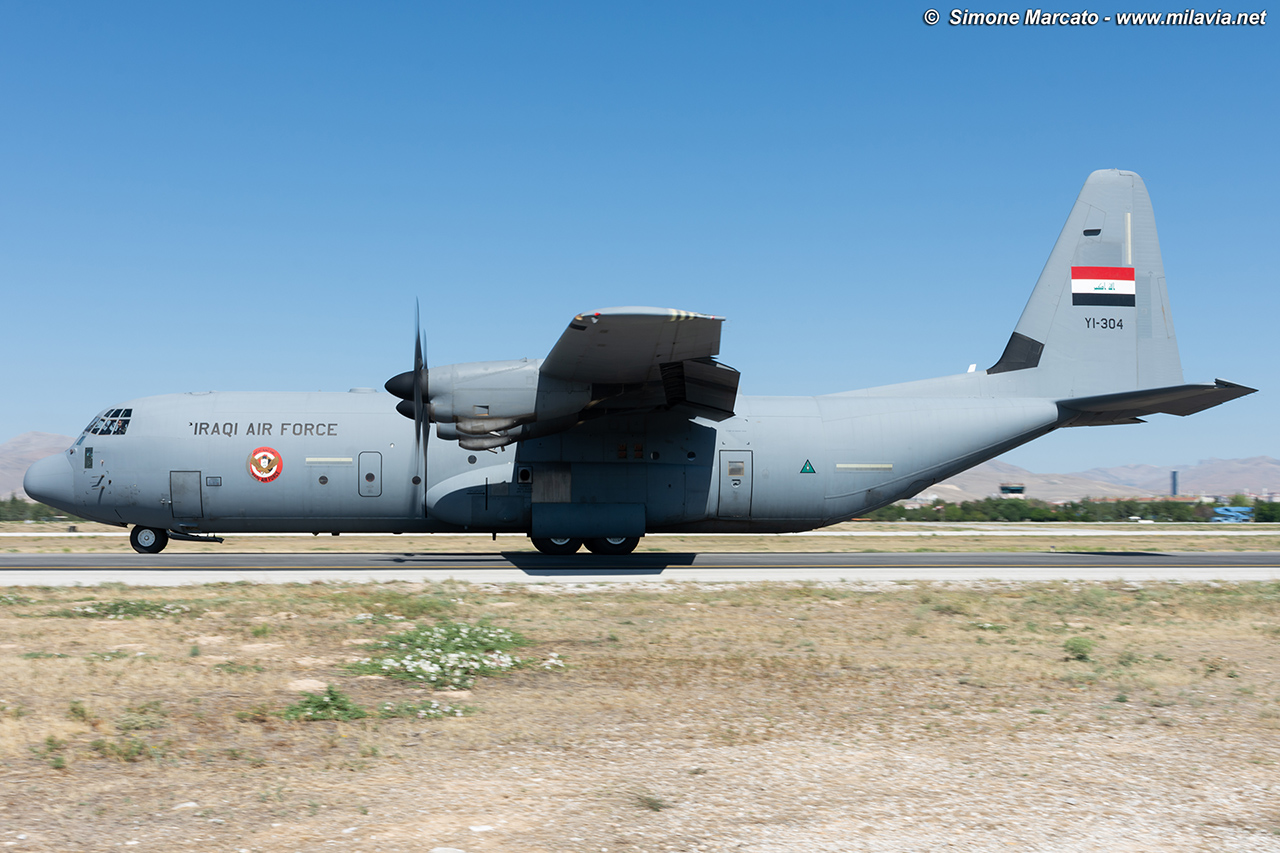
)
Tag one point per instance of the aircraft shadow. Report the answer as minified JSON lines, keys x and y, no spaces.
{"x":576,"y":564}
{"x":480,"y":558}
{"x":1114,"y":553}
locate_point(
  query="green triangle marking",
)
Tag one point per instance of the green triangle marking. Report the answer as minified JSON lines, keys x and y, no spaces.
{"x":808,"y":468}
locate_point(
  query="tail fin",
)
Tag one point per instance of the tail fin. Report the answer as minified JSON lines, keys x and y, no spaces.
{"x":1098,"y":321}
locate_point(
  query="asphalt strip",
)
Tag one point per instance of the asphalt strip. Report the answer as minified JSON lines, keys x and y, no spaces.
{"x":520,"y":567}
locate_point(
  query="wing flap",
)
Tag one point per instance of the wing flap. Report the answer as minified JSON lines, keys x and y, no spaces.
{"x":703,"y":384}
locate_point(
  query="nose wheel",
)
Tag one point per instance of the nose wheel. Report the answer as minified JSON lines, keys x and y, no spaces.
{"x":148,"y":540}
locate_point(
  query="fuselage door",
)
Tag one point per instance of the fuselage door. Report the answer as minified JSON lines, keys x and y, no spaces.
{"x":735,"y":484}
{"x":88,"y":477}
{"x":370,"y":474}
{"x":184,"y":494}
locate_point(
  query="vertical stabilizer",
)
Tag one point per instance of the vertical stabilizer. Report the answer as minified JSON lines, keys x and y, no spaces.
{"x":1098,"y":321}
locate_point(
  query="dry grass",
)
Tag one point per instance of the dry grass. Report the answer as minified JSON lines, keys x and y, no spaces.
{"x":693,"y":716}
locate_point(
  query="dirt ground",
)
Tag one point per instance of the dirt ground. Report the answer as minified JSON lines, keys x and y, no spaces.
{"x":690,"y":717}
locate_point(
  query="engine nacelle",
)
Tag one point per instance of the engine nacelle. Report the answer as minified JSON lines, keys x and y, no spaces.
{"x":483,"y":404}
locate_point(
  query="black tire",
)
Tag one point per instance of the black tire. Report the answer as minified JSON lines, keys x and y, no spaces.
{"x":148,"y":540}
{"x":613,"y":546}
{"x":558,"y":547}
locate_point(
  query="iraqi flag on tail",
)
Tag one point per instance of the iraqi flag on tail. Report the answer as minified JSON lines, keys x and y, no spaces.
{"x":1111,"y":286}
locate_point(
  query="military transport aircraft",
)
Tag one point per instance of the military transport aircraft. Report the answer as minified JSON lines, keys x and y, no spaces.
{"x":630,"y":426}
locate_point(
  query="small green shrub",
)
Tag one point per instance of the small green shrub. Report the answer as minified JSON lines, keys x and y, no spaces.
{"x":128,"y":750}
{"x":1078,"y":679}
{"x":237,"y":668}
{"x":111,"y":654}
{"x":1078,"y":648}
{"x":376,"y":619}
{"x":149,"y":715}
{"x":43,"y":655}
{"x":451,"y":654}
{"x":1214,"y":665}
{"x":51,"y":752}
{"x":257,"y":714}
{"x":124,"y":609}
{"x":333,"y":704}
{"x":430,"y":710}
{"x":651,"y":802}
{"x":387,"y":604}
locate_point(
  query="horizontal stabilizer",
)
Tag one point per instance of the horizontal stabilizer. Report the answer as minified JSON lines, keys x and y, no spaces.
{"x":1128,"y":406}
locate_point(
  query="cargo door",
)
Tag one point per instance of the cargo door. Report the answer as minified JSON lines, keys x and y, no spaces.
{"x":735,"y":484}
{"x":184,"y":494}
{"x":370,"y":474}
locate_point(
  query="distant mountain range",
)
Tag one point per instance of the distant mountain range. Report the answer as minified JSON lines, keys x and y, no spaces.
{"x":1207,"y":477}
{"x":1258,"y":475}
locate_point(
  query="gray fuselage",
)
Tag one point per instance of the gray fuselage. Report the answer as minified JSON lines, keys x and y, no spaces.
{"x":345,"y":462}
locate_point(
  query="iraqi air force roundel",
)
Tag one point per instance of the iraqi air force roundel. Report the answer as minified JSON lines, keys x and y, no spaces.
{"x":265,"y":464}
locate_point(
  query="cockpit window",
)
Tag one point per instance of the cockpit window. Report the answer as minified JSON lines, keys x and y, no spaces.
{"x":111,"y":422}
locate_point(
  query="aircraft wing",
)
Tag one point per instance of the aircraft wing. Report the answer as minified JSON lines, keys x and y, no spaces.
{"x":628,"y":345}
{"x":636,"y":354}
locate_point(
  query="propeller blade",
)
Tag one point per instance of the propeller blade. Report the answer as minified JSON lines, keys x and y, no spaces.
{"x":411,"y":387}
{"x":421,"y":397}
{"x":418,"y":438}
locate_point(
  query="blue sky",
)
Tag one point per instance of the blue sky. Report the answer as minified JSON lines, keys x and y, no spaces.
{"x":251,"y":196}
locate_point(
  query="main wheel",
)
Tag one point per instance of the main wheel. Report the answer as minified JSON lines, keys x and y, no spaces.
{"x":613,"y":546}
{"x":148,"y":540}
{"x":558,"y":547}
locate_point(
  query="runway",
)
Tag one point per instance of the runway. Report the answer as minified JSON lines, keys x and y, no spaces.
{"x":524,"y":567}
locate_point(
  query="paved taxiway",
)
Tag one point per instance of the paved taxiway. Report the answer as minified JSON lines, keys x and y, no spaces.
{"x":522,"y":567}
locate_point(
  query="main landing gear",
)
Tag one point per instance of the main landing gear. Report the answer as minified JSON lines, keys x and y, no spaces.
{"x":612,"y":546}
{"x":148,"y":540}
{"x":558,"y":547}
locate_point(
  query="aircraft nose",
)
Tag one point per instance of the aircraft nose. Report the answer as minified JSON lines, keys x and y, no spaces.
{"x":48,"y":481}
